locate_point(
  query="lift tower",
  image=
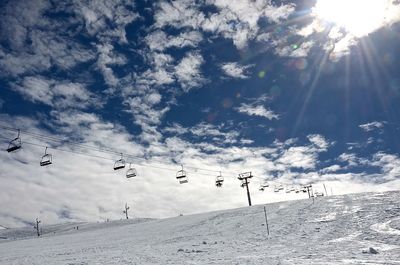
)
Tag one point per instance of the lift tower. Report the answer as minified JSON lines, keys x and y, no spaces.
{"x":243,"y":177}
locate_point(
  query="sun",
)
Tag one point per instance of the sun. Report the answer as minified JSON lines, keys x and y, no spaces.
{"x":357,"y":17}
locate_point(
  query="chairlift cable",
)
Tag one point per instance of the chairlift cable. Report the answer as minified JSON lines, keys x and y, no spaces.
{"x":93,"y":148}
{"x":101,"y":150}
{"x":106,"y":158}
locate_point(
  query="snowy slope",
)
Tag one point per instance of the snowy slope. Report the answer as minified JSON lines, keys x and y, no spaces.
{"x":333,"y":230}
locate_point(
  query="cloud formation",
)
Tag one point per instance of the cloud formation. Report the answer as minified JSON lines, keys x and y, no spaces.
{"x":235,"y":70}
{"x":257,"y":110}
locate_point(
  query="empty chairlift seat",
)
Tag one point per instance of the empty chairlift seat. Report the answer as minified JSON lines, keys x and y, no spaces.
{"x":219,"y":180}
{"x":263,"y":185}
{"x":15,"y":144}
{"x":47,"y":159}
{"x":120,"y":163}
{"x":131,"y":172}
{"x":181,"y":176}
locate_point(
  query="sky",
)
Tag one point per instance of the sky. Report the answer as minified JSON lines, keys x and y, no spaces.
{"x":296,"y":92}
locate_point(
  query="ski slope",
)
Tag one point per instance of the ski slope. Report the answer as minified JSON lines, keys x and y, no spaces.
{"x":332,"y":230}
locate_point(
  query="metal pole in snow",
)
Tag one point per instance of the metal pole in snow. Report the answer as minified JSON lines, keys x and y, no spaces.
{"x":126,"y":210}
{"x":326,"y":193}
{"x":266,"y":219}
{"x":248,"y":192}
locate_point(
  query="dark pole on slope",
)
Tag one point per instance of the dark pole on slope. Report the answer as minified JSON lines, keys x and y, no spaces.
{"x":326,"y":193}
{"x":266,"y":219}
{"x":248,"y":192}
{"x":245,"y":183}
{"x":37,"y":226}
{"x":126,"y":211}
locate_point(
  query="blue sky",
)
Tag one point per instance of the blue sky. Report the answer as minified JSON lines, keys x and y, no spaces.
{"x":283,"y":89}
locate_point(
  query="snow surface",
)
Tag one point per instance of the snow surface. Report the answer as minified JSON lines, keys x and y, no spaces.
{"x":332,"y":230}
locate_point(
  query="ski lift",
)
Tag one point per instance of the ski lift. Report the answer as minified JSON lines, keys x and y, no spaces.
{"x":15,"y":144}
{"x":120,"y":163}
{"x":244,"y":183}
{"x":219,"y":180}
{"x":181,"y":176}
{"x":46,"y":159}
{"x":131,"y":172}
{"x":263,"y":185}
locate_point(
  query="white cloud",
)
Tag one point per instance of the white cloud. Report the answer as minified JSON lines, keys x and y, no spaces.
{"x":176,"y":129}
{"x":236,"y":20}
{"x":372,"y":126}
{"x":330,"y":169}
{"x":106,"y":58}
{"x":300,"y":50}
{"x":188,"y":71}
{"x":235,"y":70}
{"x":58,"y":94}
{"x":299,"y":157}
{"x":106,"y":19}
{"x":319,"y":141}
{"x":279,"y":13}
{"x":159,"y":41}
{"x":35,"y":42}
{"x":390,"y":165}
{"x":352,"y":159}
{"x":257,"y":110}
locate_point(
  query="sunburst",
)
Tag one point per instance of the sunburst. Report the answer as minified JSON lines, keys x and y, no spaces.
{"x":357,"y":17}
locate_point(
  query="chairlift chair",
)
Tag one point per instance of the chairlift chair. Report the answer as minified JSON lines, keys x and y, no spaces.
{"x":263,"y":185}
{"x":181,"y":176}
{"x":131,"y":172}
{"x":219,"y":180}
{"x":120,"y":163}
{"x":15,"y":144}
{"x":47,"y":159}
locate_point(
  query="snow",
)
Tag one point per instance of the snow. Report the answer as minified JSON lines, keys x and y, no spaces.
{"x":332,"y":230}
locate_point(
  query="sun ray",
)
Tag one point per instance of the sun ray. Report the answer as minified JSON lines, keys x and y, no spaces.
{"x":347,"y":96}
{"x":310,"y":91}
{"x":376,"y":69}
